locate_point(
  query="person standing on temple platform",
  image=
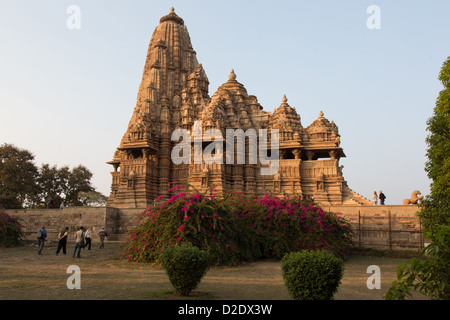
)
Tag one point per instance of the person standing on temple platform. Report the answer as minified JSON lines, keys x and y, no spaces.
{"x":382,"y":198}
{"x":375,"y":198}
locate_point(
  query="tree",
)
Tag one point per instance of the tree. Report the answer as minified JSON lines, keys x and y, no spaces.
{"x":50,"y":184}
{"x":18,"y":177}
{"x":64,"y":184}
{"x":22,"y":184}
{"x":79,"y":179}
{"x":430,"y":272}
{"x":92,"y":198}
{"x":436,"y":207}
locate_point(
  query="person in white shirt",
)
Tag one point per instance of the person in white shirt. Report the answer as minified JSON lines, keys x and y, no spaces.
{"x":88,"y":237}
{"x":79,"y":242}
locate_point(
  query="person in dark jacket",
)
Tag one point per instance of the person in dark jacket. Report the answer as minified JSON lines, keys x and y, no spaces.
{"x":42,"y":235}
{"x":102,"y":234}
{"x":382,"y":197}
{"x":62,"y":240}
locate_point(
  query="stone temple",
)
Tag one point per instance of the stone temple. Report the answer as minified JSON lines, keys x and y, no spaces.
{"x":174,"y":94}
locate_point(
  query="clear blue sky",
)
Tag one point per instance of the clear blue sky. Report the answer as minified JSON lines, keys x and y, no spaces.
{"x":68,"y":95}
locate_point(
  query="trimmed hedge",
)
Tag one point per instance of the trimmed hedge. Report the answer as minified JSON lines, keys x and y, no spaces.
{"x":312,"y":275}
{"x":185,"y":265}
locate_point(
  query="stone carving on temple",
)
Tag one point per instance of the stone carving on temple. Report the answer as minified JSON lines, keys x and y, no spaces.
{"x":416,"y":197}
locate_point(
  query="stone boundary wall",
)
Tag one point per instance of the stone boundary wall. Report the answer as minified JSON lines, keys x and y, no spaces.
{"x":383,"y":227}
{"x":393,"y":227}
{"x":119,"y":221}
{"x":116,"y":222}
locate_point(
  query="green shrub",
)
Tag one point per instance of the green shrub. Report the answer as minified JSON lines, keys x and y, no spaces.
{"x":428,"y":274}
{"x":312,"y":275}
{"x":185,"y":265}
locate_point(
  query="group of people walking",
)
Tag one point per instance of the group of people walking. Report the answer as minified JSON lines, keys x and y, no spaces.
{"x":377,"y":197}
{"x":83,"y":239}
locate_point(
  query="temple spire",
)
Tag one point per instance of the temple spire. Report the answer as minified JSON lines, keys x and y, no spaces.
{"x":172,"y":16}
{"x":232,"y":75}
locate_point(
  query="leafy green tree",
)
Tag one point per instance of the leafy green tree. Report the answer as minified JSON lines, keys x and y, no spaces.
{"x":429,"y":274}
{"x":50,"y":184}
{"x":79,"y":179}
{"x":436,"y":207}
{"x":92,"y":198}
{"x":64,"y":184}
{"x":18,"y":177}
{"x":22,"y":184}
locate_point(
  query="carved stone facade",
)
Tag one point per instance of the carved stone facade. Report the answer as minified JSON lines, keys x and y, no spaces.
{"x":174,"y":95}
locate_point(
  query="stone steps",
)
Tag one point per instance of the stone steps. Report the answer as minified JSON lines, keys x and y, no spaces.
{"x":351,"y":197}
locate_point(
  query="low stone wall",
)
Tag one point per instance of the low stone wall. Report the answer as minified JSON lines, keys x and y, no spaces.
{"x":117,"y":222}
{"x":383,"y":227}
{"x":393,"y":227}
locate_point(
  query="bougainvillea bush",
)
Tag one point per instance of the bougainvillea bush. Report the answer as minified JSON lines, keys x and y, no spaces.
{"x":289,"y":224}
{"x":10,"y":230}
{"x":235,"y":228}
{"x":203,"y":220}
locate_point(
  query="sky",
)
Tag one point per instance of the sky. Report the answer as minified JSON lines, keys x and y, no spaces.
{"x":67,"y":95}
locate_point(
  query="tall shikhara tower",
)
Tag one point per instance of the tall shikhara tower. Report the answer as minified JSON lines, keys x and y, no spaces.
{"x":174,"y":94}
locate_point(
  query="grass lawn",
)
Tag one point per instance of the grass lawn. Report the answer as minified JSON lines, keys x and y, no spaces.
{"x":25,"y":275}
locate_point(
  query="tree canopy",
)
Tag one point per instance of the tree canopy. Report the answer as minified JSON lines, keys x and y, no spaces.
{"x":23,"y":184}
{"x":18,"y":177}
{"x":436,"y":207}
{"x":63,"y":184}
{"x":429,"y":273}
